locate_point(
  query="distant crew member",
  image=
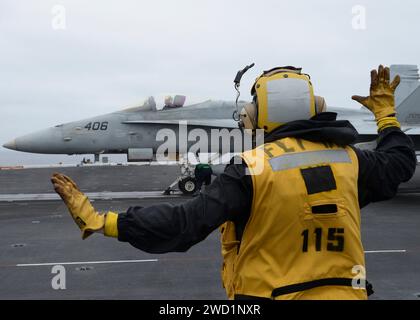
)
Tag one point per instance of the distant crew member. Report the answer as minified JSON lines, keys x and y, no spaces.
{"x":202,"y":174}
{"x":289,"y":213}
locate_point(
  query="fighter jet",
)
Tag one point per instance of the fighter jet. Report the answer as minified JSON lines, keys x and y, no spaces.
{"x":133,"y":131}
{"x":140,"y":131}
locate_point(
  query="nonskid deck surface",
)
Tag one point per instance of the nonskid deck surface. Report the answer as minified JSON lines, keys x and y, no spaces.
{"x":36,"y":235}
{"x":90,"y":178}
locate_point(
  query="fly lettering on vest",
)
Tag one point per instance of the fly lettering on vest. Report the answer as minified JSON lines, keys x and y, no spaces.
{"x":328,"y":145}
{"x":270,"y":147}
{"x":300,"y":144}
{"x":267,"y":150}
{"x":283,"y":146}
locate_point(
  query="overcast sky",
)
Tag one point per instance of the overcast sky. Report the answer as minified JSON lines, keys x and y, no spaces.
{"x":116,"y":53}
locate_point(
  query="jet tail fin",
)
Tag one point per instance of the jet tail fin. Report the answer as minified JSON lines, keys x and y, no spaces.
{"x":407,"y":95}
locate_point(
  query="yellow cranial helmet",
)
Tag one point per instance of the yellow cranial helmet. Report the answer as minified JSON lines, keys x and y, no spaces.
{"x":281,"y":95}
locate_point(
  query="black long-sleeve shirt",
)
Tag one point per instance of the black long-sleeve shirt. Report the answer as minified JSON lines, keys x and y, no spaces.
{"x":166,"y":228}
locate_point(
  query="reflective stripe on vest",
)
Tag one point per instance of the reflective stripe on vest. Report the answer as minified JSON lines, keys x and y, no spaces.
{"x":300,"y":159}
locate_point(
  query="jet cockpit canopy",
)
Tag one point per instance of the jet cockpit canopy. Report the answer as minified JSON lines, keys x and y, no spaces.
{"x":177,"y":102}
{"x":168,"y":103}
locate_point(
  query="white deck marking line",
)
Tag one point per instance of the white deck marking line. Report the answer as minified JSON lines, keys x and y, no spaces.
{"x":386,"y":251}
{"x":148,"y":260}
{"x":83,"y":262}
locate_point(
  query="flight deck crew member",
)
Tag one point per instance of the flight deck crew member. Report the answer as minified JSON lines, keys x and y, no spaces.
{"x":202,"y":174}
{"x":289,"y":214}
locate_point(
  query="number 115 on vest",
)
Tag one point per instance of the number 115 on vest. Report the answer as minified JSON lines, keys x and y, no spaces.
{"x":335,"y":239}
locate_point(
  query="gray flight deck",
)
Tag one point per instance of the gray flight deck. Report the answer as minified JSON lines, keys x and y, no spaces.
{"x":36,"y":235}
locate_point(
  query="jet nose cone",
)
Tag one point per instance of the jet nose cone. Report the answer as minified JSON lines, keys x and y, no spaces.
{"x":10,"y":145}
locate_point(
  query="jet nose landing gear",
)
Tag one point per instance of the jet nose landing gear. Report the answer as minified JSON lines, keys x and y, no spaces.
{"x":186,"y":182}
{"x":187,"y":185}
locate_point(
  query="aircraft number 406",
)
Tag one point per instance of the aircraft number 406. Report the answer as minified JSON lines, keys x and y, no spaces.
{"x":95,"y":126}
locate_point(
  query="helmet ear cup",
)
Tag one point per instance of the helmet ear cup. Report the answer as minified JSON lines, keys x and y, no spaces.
{"x":248,"y":116}
{"x":320,"y":104}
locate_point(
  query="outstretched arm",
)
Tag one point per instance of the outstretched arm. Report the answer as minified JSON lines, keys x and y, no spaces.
{"x":381,"y":171}
{"x":394,"y":160}
{"x":167,"y":228}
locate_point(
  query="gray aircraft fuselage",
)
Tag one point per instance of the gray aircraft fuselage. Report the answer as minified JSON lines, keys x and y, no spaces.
{"x":121,"y":131}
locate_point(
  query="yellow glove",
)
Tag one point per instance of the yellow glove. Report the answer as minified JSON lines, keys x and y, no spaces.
{"x":81,"y":210}
{"x":381,"y":99}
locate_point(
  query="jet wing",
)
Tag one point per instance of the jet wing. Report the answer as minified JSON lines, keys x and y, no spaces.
{"x":213,"y":123}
